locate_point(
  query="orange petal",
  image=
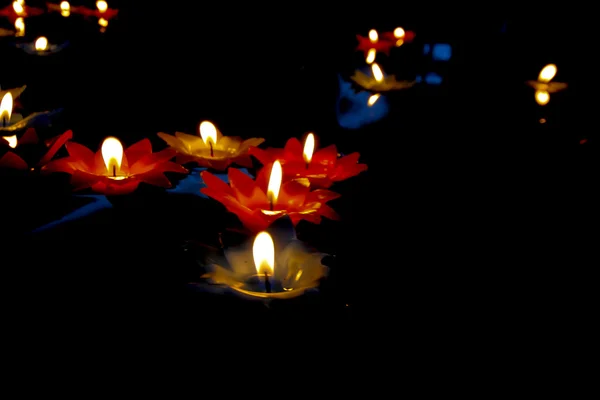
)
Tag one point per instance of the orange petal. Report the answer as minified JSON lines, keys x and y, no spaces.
{"x":12,"y":161}
{"x":29,"y":137}
{"x":155,"y":178}
{"x":328,"y":212}
{"x":243,"y":161}
{"x":82,"y":180}
{"x":245,"y":189}
{"x":215,"y":184}
{"x":291,"y":195}
{"x":81,"y":155}
{"x":57,"y":143}
{"x":149,"y":161}
{"x":170,"y":166}
{"x":110,"y":187}
{"x":263,"y":156}
{"x":60,"y":165}
{"x":326,"y":156}
{"x":321,"y":196}
{"x":138,"y":150}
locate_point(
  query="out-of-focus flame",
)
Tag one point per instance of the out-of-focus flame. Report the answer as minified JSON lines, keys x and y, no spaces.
{"x":65,"y":9}
{"x":208,"y":132}
{"x":373,"y":36}
{"x":547,"y":73}
{"x":371,"y":56}
{"x":103,"y":22}
{"x":263,"y":252}
{"x":6,"y":108}
{"x":102,"y":5}
{"x":20,"y":26}
{"x":373,"y":99}
{"x":542,"y":97}
{"x":112,"y":154}
{"x":399,"y":42}
{"x":377,"y":73}
{"x":12,"y":140}
{"x":274,"y":182}
{"x":399,"y":33}
{"x":41,"y":44}
{"x":309,"y":148}
{"x":18,"y":7}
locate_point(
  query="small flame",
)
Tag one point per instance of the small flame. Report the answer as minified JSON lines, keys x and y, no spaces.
{"x":263,"y":252}
{"x":309,"y":148}
{"x":102,"y":5}
{"x":399,"y":42}
{"x":373,"y":99}
{"x":377,"y":74}
{"x":12,"y":140}
{"x":103,"y":22}
{"x":65,"y":9}
{"x":18,"y":7}
{"x":371,"y":56}
{"x":208,"y":132}
{"x":399,"y":33}
{"x":20,"y":26}
{"x":6,"y":107}
{"x":41,"y":44}
{"x":542,"y":97}
{"x":547,"y":73}
{"x":112,"y":154}
{"x":373,"y":36}
{"x":274,"y":182}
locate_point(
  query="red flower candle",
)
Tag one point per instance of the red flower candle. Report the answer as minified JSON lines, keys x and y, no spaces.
{"x":112,"y":171}
{"x":372,"y":44}
{"x":320,"y":168}
{"x":101,"y":11}
{"x":211,"y":149}
{"x":399,"y":36}
{"x":18,"y":9}
{"x":258,"y":203}
{"x":12,"y":160}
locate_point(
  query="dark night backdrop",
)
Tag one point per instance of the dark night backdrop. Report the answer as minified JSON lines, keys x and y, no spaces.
{"x":470,"y":213}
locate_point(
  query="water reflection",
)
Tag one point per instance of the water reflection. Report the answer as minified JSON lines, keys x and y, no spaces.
{"x":355,"y":110}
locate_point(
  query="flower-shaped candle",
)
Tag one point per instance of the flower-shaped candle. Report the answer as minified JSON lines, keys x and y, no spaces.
{"x":274,"y":265}
{"x":102,"y":11}
{"x":41,"y":47}
{"x":11,"y":122}
{"x":114,"y":171}
{"x":543,"y":86}
{"x":372,"y":44}
{"x":50,"y":147}
{"x":18,"y":9}
{"x":211,"y":149}
{"x":65,"y":8}
{"x":379,"y":82}
{"x":257,"y":203}
{"x":320,"y":168}
{"x":399,"y":36}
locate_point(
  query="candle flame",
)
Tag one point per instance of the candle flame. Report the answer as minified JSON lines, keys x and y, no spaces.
{"x":102,"y":5}
{"x":377,"y":73}
{"x":547,"y":73}
{"x":542,"y":97}
{"x":274,"y":182}
{"x":20,"y":26}
{"x":6,"y":107}
{"x":12,"y":140}
{"x":373,"y":99}
{"x":371,"y":56}
{"x":41,"y":44}
{"x":112,"y":154}
{"x":373,"y":36}
{"x":18,"y":7}
{"x":309,"y":148}
{"x":103,"y":22}
{"x":65,"y":9}
{"x":263,"y":252}
{"x":399,"y":33}
{"x":208,"y":132}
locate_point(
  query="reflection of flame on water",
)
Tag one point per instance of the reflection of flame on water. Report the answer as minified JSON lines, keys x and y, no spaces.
{"x":12,"y":141}
{"x":373,"y":99}
{"x":112,"y":154}
{"x":373,"y":36}
{"x":263,"y":252}
{"x":103,"y":24}
{"x":65,"y":9}
{"x":20,"y":26}
{"x":41,"y":44}
{"x":377,"y":73}
{"x":309,"y":148}
{"x":542,"y":97}
{"x":371,"y":56}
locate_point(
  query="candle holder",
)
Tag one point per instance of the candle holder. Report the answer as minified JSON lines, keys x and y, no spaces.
{"x":357,"y":109}
{"x":258,"y":203}
{"x":543,"y":85}
{"x":12,"y":122}
{"x":41,"y":47}
{"x":114,"y":171}
{"x":378,"y":81}
{"x":18,"y":9}
{"x":274,"y":264}
{"x":211,"y":149}
{"x":32,"y":152}
{"x":320,"y":168}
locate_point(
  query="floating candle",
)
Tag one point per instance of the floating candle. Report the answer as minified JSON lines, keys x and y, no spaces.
{"x":19,"y":9}
{"x":30,"y":138}
{"x":319,"y":168}
{"x":115,"y":171}
{"x":272,"y":265}
{"x":210,"y":148}
{"x":543,"y":86}
{"x":41,"y":47}
{"x":378,"y":81}
{"x":257,"y":203}
{"x":371,"y":44}
{"x":102,"y":11}
{"x":399,"y":36}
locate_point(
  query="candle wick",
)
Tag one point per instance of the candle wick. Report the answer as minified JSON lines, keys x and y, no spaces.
{"x":267,"y":283}
{"x":114,"y":171}
{"x":211,"y":149}
{"x":307,"y":164}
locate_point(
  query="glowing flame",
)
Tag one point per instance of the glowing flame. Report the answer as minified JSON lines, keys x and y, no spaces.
{"x":542,"y":97}
{"x":18,"y":7}
{"x":274,"y":182}
{"x":263,"y":252}
{"x":6,"y":107}
{"x":65,"y":9}
{"x":309,"y":148}
{"x":208,"y":132}
{"x":112,"y":154}
{"x":377,"y":74}
{"x":399,"y":42}
{"x":371,"y":56}
{"x":102,"y":6}
{"x":41,"y":44}
{"x":399,"y":33}
{"x":12,"y":141}
{"x":373,"y":36}
{"x":20,"y":26}
{"x":373,"y":99}
{"x":103,"y":22}
{"x":547,"y":73}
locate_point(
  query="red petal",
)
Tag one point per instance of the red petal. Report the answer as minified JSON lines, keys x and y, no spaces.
{"x":326,"y":156}
{"x":13,"y":161}
{"x":150,"y":161}
{"x":29,"y":137}
{"x":60,"y":165}
{"x":293,"y":150}
{"x":263,"y":156}
{"x":244,"y":161}
{"x":291,"y":196}
{"x":138,"y":150}
{"x":57,"y":143}
{"x":328,"y":212}
{"x":115,"y":188}
{"x":81,"y":155}
{"x":82,"y":180}
{"x":170,"y":166}
{"x":155,"y":178}
{"x":246,"y":190}
{"x":321,"y":196}
{"x":215,"y":184}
